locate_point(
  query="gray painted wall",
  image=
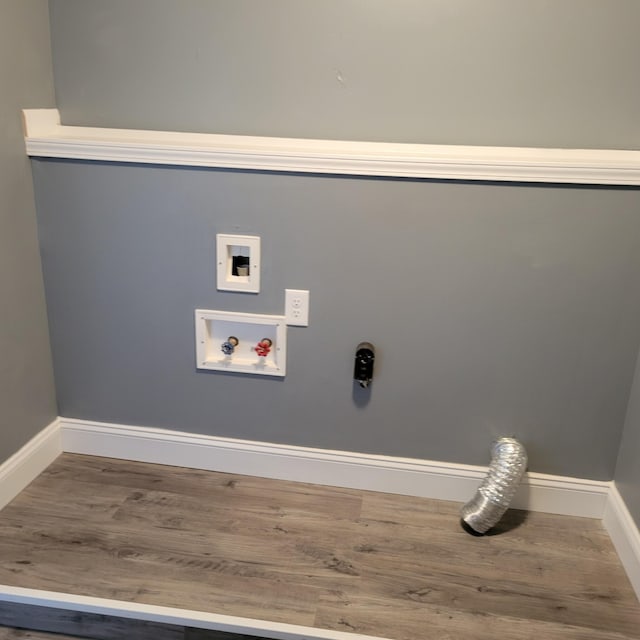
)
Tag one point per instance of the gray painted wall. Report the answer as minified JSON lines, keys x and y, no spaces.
{"x":27,"y":393}
{"x":497,"y":72}
{"x":496,"y":309}
{"x":628,"y":469}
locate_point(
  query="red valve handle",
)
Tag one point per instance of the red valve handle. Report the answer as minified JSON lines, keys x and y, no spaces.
{"x":263,"y":347}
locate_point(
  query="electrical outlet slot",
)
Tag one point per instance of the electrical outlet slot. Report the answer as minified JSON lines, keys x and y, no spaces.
{"x":296,"y":307}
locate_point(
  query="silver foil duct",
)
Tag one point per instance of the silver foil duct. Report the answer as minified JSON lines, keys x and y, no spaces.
{"x":508,"y":464}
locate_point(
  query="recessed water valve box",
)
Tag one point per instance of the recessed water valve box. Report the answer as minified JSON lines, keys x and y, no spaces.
{"x":241,"y":342}
{"x":238,"y":263}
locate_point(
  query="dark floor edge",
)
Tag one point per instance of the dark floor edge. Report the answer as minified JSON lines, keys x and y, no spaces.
{"x":172,"y":616}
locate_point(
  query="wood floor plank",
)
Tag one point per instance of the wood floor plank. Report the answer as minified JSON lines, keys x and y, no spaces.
{"x":389,"y":566}
{"x":211,"y":561}
{"x":187,"y":584}
{"x":485,"y":558}
{"x":367,"y":615}
{"x":244,"y":491}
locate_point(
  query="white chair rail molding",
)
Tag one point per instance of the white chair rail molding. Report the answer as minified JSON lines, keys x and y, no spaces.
{"x":46,"y":137}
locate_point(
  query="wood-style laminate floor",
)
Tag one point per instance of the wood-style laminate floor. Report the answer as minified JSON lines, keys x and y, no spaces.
{"x":363,"y":562}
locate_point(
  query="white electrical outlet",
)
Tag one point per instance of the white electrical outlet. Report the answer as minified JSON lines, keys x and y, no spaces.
{"x":296,"y":307}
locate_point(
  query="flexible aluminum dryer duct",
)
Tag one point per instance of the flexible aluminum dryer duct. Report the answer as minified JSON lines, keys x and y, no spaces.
{"x":508,"y":464}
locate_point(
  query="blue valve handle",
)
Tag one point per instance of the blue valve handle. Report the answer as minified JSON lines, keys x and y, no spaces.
{"x":229,"y":345}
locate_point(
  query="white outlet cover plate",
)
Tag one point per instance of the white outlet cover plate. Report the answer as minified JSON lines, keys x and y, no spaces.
{"x":296,"y":307}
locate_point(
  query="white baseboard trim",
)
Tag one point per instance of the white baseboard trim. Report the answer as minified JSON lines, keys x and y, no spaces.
{"x":29,"y":462}
{"x":624,"y":534}
{"x":406,"y":476}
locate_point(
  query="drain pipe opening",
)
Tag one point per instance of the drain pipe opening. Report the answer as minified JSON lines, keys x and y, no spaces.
{"x":484,"y":510}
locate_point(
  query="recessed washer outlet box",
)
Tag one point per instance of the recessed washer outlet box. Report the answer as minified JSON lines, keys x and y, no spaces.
{"x":238,"y":263}
{"x":249,"y":330}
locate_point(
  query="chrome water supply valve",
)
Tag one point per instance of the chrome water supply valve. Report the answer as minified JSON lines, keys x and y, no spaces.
{"x":229,"y":345}
{"x":263,"y":347}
